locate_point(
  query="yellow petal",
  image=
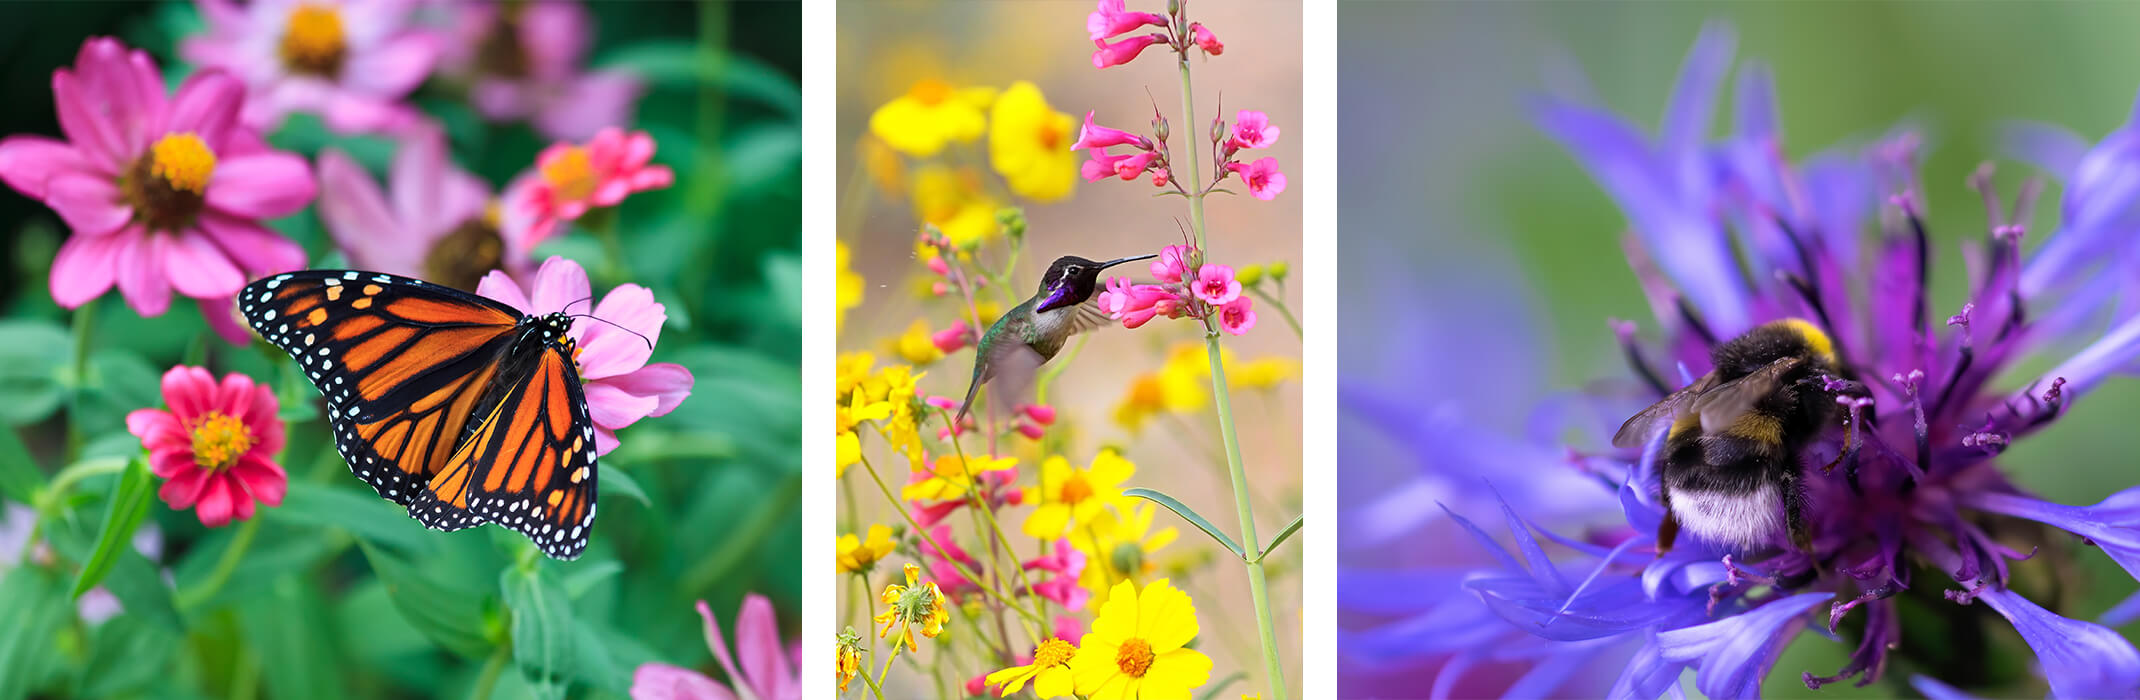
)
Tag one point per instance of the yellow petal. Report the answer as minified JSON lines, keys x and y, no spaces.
{"x":1047,"y":521}
{"x":1174,"y":674}
{"x":1166,"y":617}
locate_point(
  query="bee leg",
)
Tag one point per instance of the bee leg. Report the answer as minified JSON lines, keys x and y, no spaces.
{"x":1668,"y":528}
{"x":1795,"y":513}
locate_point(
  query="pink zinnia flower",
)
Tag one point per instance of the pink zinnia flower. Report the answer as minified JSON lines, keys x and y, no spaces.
{"x":1238,"y":316}
{"x":1205,"y":39}
{"x":1252,"y":129}
{"x":1123,"y":51}
{"x":215,"y":448}
{"x":770,"y":670}
{"x":526,"y":62}
{"x":1096,"y":136}
{"x":1136,"y":304}
{"x":1215,"y":285}
{"x":1113,"y":18}
{"x":434,"y":225}
{"x":1264,"y":180}
{"x":621,"y":387}
{"x":950,"y":340}
{"x":1101,"y":166}
{"x":1173,"y":262}
{"x":162,"y":193}
{"x":349,"y":61}
{"x":570,"y":180}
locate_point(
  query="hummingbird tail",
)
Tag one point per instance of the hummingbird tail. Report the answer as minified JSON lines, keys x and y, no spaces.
{"x":972,"y":387}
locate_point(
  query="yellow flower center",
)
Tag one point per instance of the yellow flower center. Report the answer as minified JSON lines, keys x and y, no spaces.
{"x":182,"y":160}
{"x":1050,"y":135}
{"x":931,"y":92}
{"x":1076,"y":489}
{"x":1052,"y":653}
{"x":569,"y":174}
{"x":1134,"y":657}
{"x":312,"y":40}
{"x":219,"y":439}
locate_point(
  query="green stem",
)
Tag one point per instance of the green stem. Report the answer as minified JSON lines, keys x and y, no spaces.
{"x":926,"y":537}
{"x":232,"y":554}
{"x":1273,"y":302}
{"x":84,"y":330}
{"x":1192,"y":132}
{"x":491,"y":670}
{"x":988,"y":512}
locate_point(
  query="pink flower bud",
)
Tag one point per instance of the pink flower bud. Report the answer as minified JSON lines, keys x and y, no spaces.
{"x":1123,"y":51}
{"x":1173,"y":262}
{"x":1160,"y":177}
{"x":977,"y":686}
{"x":938,"y":266}
{"x":1205,"y":39}
{"x":1040,"y":413}
{"x":951,"y":339}
{"x":1031,"y":431}
{"x":938,"y":288}
{"x":942,"y":402}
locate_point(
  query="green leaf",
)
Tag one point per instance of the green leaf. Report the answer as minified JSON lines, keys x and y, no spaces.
{"x":679,"y":63}
{"x":294,"y":392}
{"x":1216,"y":689}
{"x":1281,"y":538}
{"x":623,"y":482}
{"x":32,"y":365}
{"x":34,"y":603}
{"x":129,"y":505}
{"x":128,"y":657}
{"x":543,"y":631}
{"x":446,"y":613}
{"x":287,"y":627}
{"x":369,"y":518}
{"x":586,"y":576}
{"x":20,"y":478}
{"x":1188,"y":514}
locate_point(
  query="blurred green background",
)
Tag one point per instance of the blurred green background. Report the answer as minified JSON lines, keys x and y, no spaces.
{"x":342,"y":594}
{"x":1443,"y":170}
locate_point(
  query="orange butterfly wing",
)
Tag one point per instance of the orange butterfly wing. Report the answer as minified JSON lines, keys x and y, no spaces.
{"x":530,"y":464}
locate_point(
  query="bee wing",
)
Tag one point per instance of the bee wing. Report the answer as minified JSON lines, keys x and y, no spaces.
{"x":1637,"y":430}
{"x":1721,"y":406}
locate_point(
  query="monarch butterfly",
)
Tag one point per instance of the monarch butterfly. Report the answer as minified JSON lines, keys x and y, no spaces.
{"x":458,"y":407}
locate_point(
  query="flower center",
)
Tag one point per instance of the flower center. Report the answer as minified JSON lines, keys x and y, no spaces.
{"x":1134,"y":658}
{"x":1128,"y":558}
{"x":219,"y":439}
{"x":915,"y":604}
{"x":1076,"y":489}
{"x":166,"y":185}
{"x":499,"y":53}
{"x":570,"y":174}
{"x":1051,"y":136}
{"x":461,"y":258}
{"x":1054,"y":652}
{"x":312,"y":40}
{"x":931,"y":91}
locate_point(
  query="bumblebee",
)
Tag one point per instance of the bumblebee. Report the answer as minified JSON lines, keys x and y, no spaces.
{"x":1730,"y":470}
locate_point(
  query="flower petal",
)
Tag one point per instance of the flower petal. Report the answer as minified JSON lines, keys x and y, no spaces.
{"x":217,"y":502}
{"x":2080,"y":659}
{"x":28,"y":161}
{"x":83,"y":118}
{"x":90,"y":204}
{"x":141,"y":274}
{"x":612,"y":408}
{"x":263,"y":479}
{"x":655,"y":681}
{"x":501,"y":288}
{"x":1733,"y":654}
{"x":197,"y":268}
{"x":262,"y":185}
{"x":765,"y":662}
{"x":184,"y":486}
{"x":1692,"y":106}
{"x":189,"y":391}
{"x":667,"y":381}
{"x":394,"y":67}
{"x":356,"y":214}
{"x":85,"y":266}
{"x":257,"y":249}
{"x":559,"y":282}
{"x":207,"y":104}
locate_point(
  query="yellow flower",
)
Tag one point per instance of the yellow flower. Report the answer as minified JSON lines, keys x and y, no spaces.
{"x":1120,"y":547}
{"x":850,"y":451}
{"x":915,"y":345}
{"x":858,"y":556}
{"x":850,"y":284}
{"x":1263,"y":373}
{"x":1069,"y":496}
{"x":1137,"y":646}
{"x":1049,"y":672}
{"x":850,"y":651}
{"x":883,"y":164}
{"x":915,"y":604}
{"x":1180,"y":386}
{"x":1029,"y":144}
{"x":954,"y":202}
{"x":931,"y":114}
{"x":853,"y":369}
{"x":951,"y":477}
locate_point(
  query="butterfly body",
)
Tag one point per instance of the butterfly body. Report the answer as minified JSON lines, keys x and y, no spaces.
{"x":460,"y":408}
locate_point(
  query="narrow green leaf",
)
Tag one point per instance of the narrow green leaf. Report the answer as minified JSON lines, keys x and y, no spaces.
{"x":137,"y":583}
{"x":445,"y":613}
{"x":32,"y":367}
{"x":1188,"y":514}
{"x":543,"y":634}
{"x":586,"y":575}
{"x":34,"y":602}
{"x":1214,"y":690}
{"x":623,"y":482}
{"x":1281,"y":538}
{"x":679,"y":63}
{"x":19,"y":476}
{"x":129,"y":505}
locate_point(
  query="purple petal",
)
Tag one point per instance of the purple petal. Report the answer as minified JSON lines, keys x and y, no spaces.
{"x":394,"y":67}
{"x":2125,"y":611}
{"x":2055,"y":149}
{"x":1733,"y":654}
{"x":2114,"y":352}
{"x":1648,"y":674}
{"x":2080,"y":659}
{"x":1602,"y":611}
{"x":1932,"y":689}
{"x":1693,"y":103}
{"x":1755,"y":107}
{"x":1456,"y":625}
{"x":1400,"y":591}
{"x":356,"y":214}
{"x":2113,"y":525}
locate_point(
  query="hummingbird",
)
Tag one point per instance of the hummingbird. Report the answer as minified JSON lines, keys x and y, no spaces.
{"x":1030,"y":334}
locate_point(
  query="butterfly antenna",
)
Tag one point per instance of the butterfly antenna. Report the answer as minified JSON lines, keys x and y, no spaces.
{"x":568,"y":305}
{"x":649,"y":341}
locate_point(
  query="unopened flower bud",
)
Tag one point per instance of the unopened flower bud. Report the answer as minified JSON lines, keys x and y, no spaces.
{"x":1160,"y":130}
{"x":1042,"y":414}
{"x":1205,"y":39}
{"x":1278,"y":270}
{"x":1160,"y":177}
{"x":938,"y":288}
{"x":1013,"y":221}
{"x":1031,"y":431}
{"x":938,"y":266}
{"x":1249,"y":275}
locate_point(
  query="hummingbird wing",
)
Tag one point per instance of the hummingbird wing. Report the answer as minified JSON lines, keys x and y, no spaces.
{"x":1089,"y":317}
{"x":1009,"y":367}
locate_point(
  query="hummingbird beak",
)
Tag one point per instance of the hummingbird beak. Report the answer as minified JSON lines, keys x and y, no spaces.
{"x":1118,"y":261}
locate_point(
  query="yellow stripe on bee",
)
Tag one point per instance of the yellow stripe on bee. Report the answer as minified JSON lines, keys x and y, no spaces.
{"x":1816,"y":339}
{"x":1757,"y":427}
{"x":1685,"y":422}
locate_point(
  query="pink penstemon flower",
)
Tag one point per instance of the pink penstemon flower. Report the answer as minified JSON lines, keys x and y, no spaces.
{"x":1113,"y":18}
{"x":1262,"y":176}
{"x":1252,"y":129}
{"x":1205,"y":39}
{"x":1137,"y":304}
{"x":1205,"y":290}
{"x":436,"y":223}
{"x":1121,"y":52}
{"x":1095,"y":136}
{"x":1172,"y":263}
{"x":162,"y":192}
{"x":943,"y":571}
{"x":526,"y":61}
{"x":1238,"y":316}
{"x":621,"y":387}
{"x":952,"y":339}
{"x":1066,"y":563}
{"x":215,"y":448}
{"x":570,"y":180}
{"x":1215,"y":285}
{"x":349,"y":61}
{"x":769,"y":670}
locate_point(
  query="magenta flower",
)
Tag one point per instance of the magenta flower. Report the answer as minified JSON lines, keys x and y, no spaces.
{"x":1161,"y":176}
{"x":526,"y":62}
{"x":950,"y":340}
{"x":1205,"y":39}
{"x":1112,"y":18}
{"x":1238,"y":316}
{"x":1215,"y":285}
{"x":570,"y":180}
{"x":1264,"y":180}
{"x":1101,"y":166}
{"x":621,"y":387}
{"x":1123,"y":51}
{"x":216,"y":447}
{"x":1252,"y":129}
{"x":1094,"y":136}
{"x":770,"y":670}
{"x":349,"y":61}
{"x":1042,"y":414}
{"x":1066,"y":564}
{"x":434,"y":225}
{"x":1172,"y":264}
{"x":940,"y":557}
{"x":162,"y":193}
{"x":1134,"y":165}
{"x":1137,"y":304}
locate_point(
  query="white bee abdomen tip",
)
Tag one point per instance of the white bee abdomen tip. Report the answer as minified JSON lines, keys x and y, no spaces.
{"x":1738,"y":521}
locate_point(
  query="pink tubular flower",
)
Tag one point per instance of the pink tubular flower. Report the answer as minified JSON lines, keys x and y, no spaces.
{"x":1031,"y":431}
{"x":526,"y":62}
{"x":1096,"y":136}
{"x":950,"y":340}
{"x":1215,"y":285}
{"x":621,"y":387}
{"x":1042,"y":414}
{"x":769,"y":670}
{"x":162,"y":192}
{"x":1252,"y":129}
{"x":1205,"y":39}
{"x":1160,"y":177}
{"x":432,"y":226}
{"x":570,"y":180}
{"x":1136,"y":304}
{"x":349,"y":61}
{"x":1172,"y":263}
{"x":1112,"y":18}
{"x":1101,"y":166}
{"x":1123,"y":51}
{"x":215,"y":447}
{"x":1066,"y":564}
{"x":1135,"y":165}
{"x":1264,"y":180}
{"x":1238,"y":316}
{"x":941,"y":569}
